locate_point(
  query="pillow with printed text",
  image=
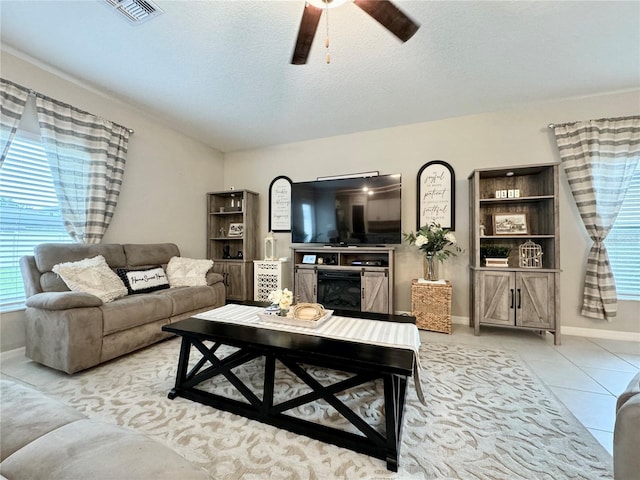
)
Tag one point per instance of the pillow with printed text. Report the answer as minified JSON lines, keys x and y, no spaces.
{"x":143,"y":280}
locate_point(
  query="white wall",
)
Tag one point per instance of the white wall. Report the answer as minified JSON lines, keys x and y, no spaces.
{"x":515,"y":137}
{"x":166,"y":178}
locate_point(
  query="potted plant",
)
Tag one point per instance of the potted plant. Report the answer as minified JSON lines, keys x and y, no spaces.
{"x":436,"y":243}
{"x":495,"y":255}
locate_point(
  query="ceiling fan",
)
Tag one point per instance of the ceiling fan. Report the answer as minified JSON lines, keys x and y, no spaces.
{"x":383,"y":11}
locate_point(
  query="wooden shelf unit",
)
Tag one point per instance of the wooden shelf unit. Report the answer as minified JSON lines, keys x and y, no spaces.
{"x":514,"y":296}
{"x":224,"y":209}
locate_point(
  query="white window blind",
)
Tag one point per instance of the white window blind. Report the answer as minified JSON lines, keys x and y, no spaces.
{"x":29,"y":213}
{"x":623,"y":243}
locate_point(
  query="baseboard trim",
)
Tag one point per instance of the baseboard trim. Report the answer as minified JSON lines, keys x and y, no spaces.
{"x":572,"y":331}
{"x":460,"y":320}
{"x":598,"y":333}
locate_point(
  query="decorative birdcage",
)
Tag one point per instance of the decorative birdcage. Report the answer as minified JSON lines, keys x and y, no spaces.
{"x":530,"y":255}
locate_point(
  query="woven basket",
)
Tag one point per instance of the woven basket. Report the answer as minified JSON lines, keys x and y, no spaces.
{"x":431,"y":305}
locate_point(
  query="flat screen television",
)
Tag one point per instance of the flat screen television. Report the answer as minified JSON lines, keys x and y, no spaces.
{"x":347,"y":211}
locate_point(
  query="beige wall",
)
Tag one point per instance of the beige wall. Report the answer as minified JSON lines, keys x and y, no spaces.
{"x":513,"y":137}
{"x":167,"y":175}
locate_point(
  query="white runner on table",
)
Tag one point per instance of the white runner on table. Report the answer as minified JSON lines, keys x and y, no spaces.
{"x":359,"y":330}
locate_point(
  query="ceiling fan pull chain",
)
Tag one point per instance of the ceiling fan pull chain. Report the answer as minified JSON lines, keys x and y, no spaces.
{"x":326,"y":42}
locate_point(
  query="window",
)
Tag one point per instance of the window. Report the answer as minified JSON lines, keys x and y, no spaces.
{"x":29,"y":213}
{"x":623,"y":243}
{"x":307,"y":222}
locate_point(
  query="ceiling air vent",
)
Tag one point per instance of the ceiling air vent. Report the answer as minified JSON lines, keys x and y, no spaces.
{"x":136,"y":11}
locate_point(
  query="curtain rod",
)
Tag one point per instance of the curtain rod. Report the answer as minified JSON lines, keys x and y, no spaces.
{"x":37,"y":94}
{"x":554,"y":125}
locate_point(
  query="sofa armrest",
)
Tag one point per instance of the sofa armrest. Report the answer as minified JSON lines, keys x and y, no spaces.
{"x":62,"y":300}
{"x":631,"y":391}
{"x":626,"y":438}
{"x":213,"y":278}
{"x":30,"y":275}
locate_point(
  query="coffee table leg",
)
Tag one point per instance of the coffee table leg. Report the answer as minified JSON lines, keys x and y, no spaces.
{"x":183,"y":363}
{"x":267,"y":390}
{"x":395,"y":390}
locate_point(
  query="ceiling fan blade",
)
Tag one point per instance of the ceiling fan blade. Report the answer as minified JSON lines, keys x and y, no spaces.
{"x":308,"y":27}
{"x":390,"y":17}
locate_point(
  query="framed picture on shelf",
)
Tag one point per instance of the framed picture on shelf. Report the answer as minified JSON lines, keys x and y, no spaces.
{"x":236,"y":229}
{"x":510,"y":224}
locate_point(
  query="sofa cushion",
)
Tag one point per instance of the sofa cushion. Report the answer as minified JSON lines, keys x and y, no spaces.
{"x":46,"y":255}
{"x":188,"y":272}
{"x":144,"y":255}
{"x":92,"y":275}
{"x":143,"y":280}
{"x":131,"y":339}
{"x":87,"y":449}
{"x":134,"y":310}
{"x":49,"y":254}
{"x":26,"y":414}
{"x":50,"y":282}
{"x":186,"y":299}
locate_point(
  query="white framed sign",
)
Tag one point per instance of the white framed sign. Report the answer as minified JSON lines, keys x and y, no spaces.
{"x":436,"y":195}
{"x":280,"y":204}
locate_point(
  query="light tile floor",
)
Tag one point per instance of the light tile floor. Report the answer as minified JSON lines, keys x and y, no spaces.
{"x":586,"y":374}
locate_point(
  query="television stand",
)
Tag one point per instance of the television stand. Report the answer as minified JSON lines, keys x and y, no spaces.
{"x":364,"y":275}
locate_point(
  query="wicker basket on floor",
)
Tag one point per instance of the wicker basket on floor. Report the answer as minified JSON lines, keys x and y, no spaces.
{"x":431,"y":305}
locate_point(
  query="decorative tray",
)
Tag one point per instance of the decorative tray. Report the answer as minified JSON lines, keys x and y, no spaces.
{"x":310,"y":315}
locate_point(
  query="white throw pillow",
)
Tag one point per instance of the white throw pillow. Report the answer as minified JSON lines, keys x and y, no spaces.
{"x":188,"y":272}
{"x":92,"y":275}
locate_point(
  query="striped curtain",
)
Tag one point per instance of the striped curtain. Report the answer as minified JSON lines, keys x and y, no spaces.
{"x":599,"y":158}
{"x":87,"y":156}
{"x":14,"y":98}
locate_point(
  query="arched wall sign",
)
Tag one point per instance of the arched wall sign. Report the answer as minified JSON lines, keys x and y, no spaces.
{"x":436,"y":195}
{"x":280,"y":204}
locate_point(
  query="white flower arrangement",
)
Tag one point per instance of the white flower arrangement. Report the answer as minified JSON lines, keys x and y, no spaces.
{"x":434,"y":240}
{"x":282,"y":298}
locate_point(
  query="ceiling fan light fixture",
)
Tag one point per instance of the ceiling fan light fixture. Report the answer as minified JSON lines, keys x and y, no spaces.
{"x":326,"y":3}
{"x":382,"y":11}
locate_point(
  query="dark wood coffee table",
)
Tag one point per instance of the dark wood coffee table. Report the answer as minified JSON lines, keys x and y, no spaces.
{"x":366,"y":362}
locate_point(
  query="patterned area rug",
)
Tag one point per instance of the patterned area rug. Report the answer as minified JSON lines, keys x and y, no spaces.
{"x":488,"y":418}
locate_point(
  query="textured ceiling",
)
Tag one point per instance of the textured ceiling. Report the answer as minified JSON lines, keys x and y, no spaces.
{"x":219,"y":70}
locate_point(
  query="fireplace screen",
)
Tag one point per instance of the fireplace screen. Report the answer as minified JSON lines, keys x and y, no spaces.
{"x":339,"y":290}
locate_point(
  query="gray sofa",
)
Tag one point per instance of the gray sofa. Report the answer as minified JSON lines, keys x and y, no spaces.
{"x":44,"y":439}
{"x":626,"y":433}
{"x":73,"y":331}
